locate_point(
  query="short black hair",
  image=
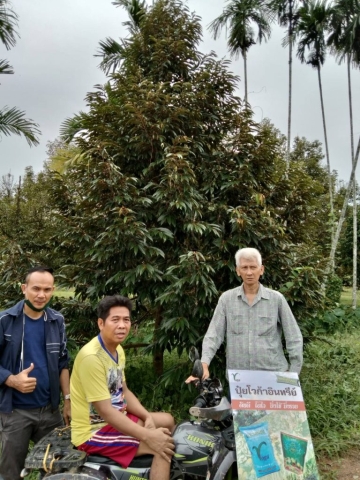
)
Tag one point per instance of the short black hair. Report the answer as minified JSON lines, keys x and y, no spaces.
{"x":110,"y":301}
{"x":38,"y":268}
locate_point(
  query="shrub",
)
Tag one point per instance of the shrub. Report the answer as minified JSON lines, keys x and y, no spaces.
{"x":334,"y":288}
{"x":331,"y":388}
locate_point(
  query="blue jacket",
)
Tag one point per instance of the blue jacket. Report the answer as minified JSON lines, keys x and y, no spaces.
{"x":11,"y":331}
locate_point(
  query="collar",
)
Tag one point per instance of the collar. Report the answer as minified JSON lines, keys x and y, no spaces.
{"x":115,"y":359}
{"x":262,"y":292}
{"x":16,"y":310}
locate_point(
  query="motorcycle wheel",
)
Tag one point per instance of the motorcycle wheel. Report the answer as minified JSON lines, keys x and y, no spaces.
{"x":70,"y":476}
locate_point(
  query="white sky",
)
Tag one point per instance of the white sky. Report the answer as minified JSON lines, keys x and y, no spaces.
{"x":55,"y":68}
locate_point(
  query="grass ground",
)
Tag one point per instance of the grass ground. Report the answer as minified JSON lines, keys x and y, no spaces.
{"x":64,"y":293}
{"x":346,"y":296}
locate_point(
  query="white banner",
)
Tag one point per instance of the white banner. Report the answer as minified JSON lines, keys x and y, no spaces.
{"x":271,"y":429}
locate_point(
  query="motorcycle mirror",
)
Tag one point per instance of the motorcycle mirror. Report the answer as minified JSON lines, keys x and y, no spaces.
{"x":197,"y":370}
{"x":194,"y":354}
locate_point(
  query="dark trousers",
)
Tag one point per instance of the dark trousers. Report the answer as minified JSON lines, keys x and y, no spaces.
{"x":16,"y":430}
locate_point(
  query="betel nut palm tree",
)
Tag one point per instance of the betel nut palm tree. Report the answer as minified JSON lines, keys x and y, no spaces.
{"x":287,"y":14}
{"x":112,"y":54}
{"x":344,"y":40}
{"x":112,"y":51}
{"x":242,"y":18}
{"x":314,"y":16}
{"x":12,"y":120}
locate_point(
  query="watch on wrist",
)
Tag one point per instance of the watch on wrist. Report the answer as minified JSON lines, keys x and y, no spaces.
{"x":67,"y":397}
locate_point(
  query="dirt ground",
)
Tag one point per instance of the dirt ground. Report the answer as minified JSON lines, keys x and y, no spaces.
{"x":345,"y":468}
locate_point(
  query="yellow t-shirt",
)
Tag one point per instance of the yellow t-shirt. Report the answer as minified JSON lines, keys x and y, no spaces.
{"x":96,"y":376}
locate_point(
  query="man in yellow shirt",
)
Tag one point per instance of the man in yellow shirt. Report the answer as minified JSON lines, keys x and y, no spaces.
{"x":107,"y":418}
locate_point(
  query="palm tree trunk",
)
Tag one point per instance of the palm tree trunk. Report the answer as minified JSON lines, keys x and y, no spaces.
{"x":290,"y":84}
{"x":343,"y":213}
{"x":245,"y":76}
{"x":328,"y":162}
{"x":355,"y":249}
{"x":354,"y":284}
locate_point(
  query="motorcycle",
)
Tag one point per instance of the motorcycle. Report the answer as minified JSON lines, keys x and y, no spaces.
{"x":204,"y":446}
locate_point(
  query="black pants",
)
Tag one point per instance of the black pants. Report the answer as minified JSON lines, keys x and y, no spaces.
{"x":17,"y":429}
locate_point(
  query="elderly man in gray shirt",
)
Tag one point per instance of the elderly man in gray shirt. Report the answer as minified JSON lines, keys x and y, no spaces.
{"x":252,"y":318}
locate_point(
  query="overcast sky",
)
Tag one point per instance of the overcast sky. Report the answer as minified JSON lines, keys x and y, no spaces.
{"x":55,"y":67}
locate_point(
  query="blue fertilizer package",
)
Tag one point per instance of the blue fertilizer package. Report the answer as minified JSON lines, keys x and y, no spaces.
{"x":262,"y":453}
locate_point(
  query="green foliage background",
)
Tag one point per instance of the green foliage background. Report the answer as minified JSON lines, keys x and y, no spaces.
{"x":151,"y":192}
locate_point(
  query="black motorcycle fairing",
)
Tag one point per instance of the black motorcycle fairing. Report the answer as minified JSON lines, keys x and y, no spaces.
{"x":193,"y":443}
{"x":221,"y":461}
{"x":144,"y":461}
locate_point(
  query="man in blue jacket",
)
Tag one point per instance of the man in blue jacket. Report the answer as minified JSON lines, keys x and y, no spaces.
{"x":33,"y":369}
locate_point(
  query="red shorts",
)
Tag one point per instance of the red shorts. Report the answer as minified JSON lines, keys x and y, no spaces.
{"x":111,"y":443}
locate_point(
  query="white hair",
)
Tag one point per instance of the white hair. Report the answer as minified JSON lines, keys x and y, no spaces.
{"x":248,"y":254}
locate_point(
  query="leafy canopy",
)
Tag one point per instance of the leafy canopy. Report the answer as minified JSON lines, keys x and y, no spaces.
{"x":173,"y":176}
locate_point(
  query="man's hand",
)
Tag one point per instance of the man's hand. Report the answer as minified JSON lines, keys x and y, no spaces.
{"x":192,"y":379}
{"x":21,"y":381}
{"x":67,"y":412}
{"x":161,"y":442}
{"x":206,"y":374}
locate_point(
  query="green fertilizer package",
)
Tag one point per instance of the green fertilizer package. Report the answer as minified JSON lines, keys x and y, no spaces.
{"x":294,"y":450}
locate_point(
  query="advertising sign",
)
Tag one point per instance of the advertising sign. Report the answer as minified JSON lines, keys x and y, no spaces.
{"x":271,"y":429}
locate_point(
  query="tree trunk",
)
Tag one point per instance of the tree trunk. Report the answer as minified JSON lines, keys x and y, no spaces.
{"x":158,"y":356}
{"x":354,"y":287}
{"x":343,"y":213}
{"x":18,"y":202}
{"x":245,"y":76}
{"x":290,"y":84}
{"x":354,"y":283}
{"x":332,"y":220}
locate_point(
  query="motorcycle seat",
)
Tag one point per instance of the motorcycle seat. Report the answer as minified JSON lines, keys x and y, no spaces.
{"x":139,"y":462}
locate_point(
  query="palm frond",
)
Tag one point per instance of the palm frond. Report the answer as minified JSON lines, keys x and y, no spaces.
{"x":5,"y":67}
{"x":8,"y":24}
{"x":13,"y":121}
{"x":241,"y":18}
{"x":344,"y":38}
{"x":111,"y":52}
{"x":314,"y":17}
{"x":72,"y":126}
{"x":136,"y":10}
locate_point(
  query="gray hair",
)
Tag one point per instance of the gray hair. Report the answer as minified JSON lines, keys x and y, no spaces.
{"x":248,"y":254}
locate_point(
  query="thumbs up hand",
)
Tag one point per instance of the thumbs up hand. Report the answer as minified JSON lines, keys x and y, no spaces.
{"x":21,"y":381}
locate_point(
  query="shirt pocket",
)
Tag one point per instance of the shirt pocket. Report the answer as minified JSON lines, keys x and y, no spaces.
{"x":237,"y":324}
{"x":266,"y":326}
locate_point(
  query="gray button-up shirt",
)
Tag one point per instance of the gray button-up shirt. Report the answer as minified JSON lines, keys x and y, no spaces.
{"x":253,"y":332}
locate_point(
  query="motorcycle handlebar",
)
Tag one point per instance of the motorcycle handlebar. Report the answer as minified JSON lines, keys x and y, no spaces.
{"x":200,"y":402}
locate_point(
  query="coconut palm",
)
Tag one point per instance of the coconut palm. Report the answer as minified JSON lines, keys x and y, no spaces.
{"x":240,"y":17}
{"x":344,"y":40}
{"x":314,"y":18}
{"x":287,"y":13}
{"x":12,"y":120}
